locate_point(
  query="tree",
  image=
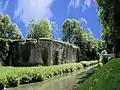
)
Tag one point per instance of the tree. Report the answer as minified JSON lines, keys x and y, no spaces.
{"x":39,"y":29}
{"x":106,"y":35}
{"x":108,"y":12}
{"x":69,"y":27}
{"x":87,"y":43}
{"x":100,"y":45}
{"x":74,"y":33}
{"x":7,"y":29}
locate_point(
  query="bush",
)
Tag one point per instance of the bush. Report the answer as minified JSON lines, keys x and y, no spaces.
{"x":11,"y":81}
{"x":37,"y":78}
{"x":1,"y":86}
{"x":25,"y":80}
{"x":3,"y":50}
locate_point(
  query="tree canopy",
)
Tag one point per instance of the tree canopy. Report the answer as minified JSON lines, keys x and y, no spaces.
{"x":39,"y":29}
{"x":69,"y":28}
{"x":109,"y":16}
{"x":8,"y":29}
{"x":74,"y":33}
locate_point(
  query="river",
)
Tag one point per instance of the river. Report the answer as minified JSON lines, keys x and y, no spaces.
{"x":64,"y":82}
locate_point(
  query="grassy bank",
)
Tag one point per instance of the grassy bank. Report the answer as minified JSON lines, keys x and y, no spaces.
{"x":106,"y":78}
{"x":14,"y":76}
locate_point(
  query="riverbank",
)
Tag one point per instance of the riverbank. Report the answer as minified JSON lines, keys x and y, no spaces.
{"x":14,"y":76}
{"x":106,"y":78}
{"x":66,"y":81}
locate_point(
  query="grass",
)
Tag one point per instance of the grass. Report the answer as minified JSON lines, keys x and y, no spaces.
{"x":106,"y":78}
{"x":14,"y":76}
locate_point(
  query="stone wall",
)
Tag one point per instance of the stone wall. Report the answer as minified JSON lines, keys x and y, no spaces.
{"x":42,"y":52}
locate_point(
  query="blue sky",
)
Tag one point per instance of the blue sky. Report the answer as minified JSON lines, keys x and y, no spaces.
{"x":22,"y":11}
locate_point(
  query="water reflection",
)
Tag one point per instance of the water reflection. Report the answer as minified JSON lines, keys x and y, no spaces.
{"x":66,"y":82}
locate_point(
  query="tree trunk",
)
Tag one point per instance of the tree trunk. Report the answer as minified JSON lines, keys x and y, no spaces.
{"x":117,"y":51}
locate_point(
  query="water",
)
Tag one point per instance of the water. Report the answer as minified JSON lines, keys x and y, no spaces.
{"x":65,"y":82}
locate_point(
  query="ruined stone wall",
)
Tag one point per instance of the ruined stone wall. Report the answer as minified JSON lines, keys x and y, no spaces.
{"x":42,"y":52}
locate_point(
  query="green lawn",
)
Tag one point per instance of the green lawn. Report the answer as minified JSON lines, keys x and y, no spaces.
{"x":106,"y":78}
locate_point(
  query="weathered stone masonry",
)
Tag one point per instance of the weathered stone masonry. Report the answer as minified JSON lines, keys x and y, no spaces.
{"x":42,"y":52}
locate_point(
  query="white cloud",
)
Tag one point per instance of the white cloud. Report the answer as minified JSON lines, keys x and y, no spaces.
{"x":33,"y":9}
{"x":6,"y":4}
{"x":84,"y":4}
{"x":1,"y":9}
{"x":3,"y":6}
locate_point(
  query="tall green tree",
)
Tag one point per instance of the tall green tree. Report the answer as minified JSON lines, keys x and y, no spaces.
{"x":109,"y":15}
{"x":8,"y":30}
{"x":75,"y":33}
{"x":39,"y":29}
{"x":100,"y":45}
{"x":69,"y":28}
{"x":87,"y":43}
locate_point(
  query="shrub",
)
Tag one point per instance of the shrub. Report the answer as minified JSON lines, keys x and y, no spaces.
{"x":11,"y":81}
{"x":25,"y":80}
{"x":1,"y":86}
{"x":37,"y":78}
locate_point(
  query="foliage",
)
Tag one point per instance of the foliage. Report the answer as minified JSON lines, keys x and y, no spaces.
{"x":108,"y":12}
{"x":74,"y":33}
{"x":3,"y":49}
{"x":14,"y":76}
{"x":25,"y":75}
{"x":7,"y":29}
{"x":100,"y":45}
{"x":68,"y":29}
{"x":106,"y":78}
{"x":39,"y":29}
{"x":87,"y":43}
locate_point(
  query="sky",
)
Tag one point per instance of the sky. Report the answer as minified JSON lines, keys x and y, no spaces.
{"x":22,"y":12}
